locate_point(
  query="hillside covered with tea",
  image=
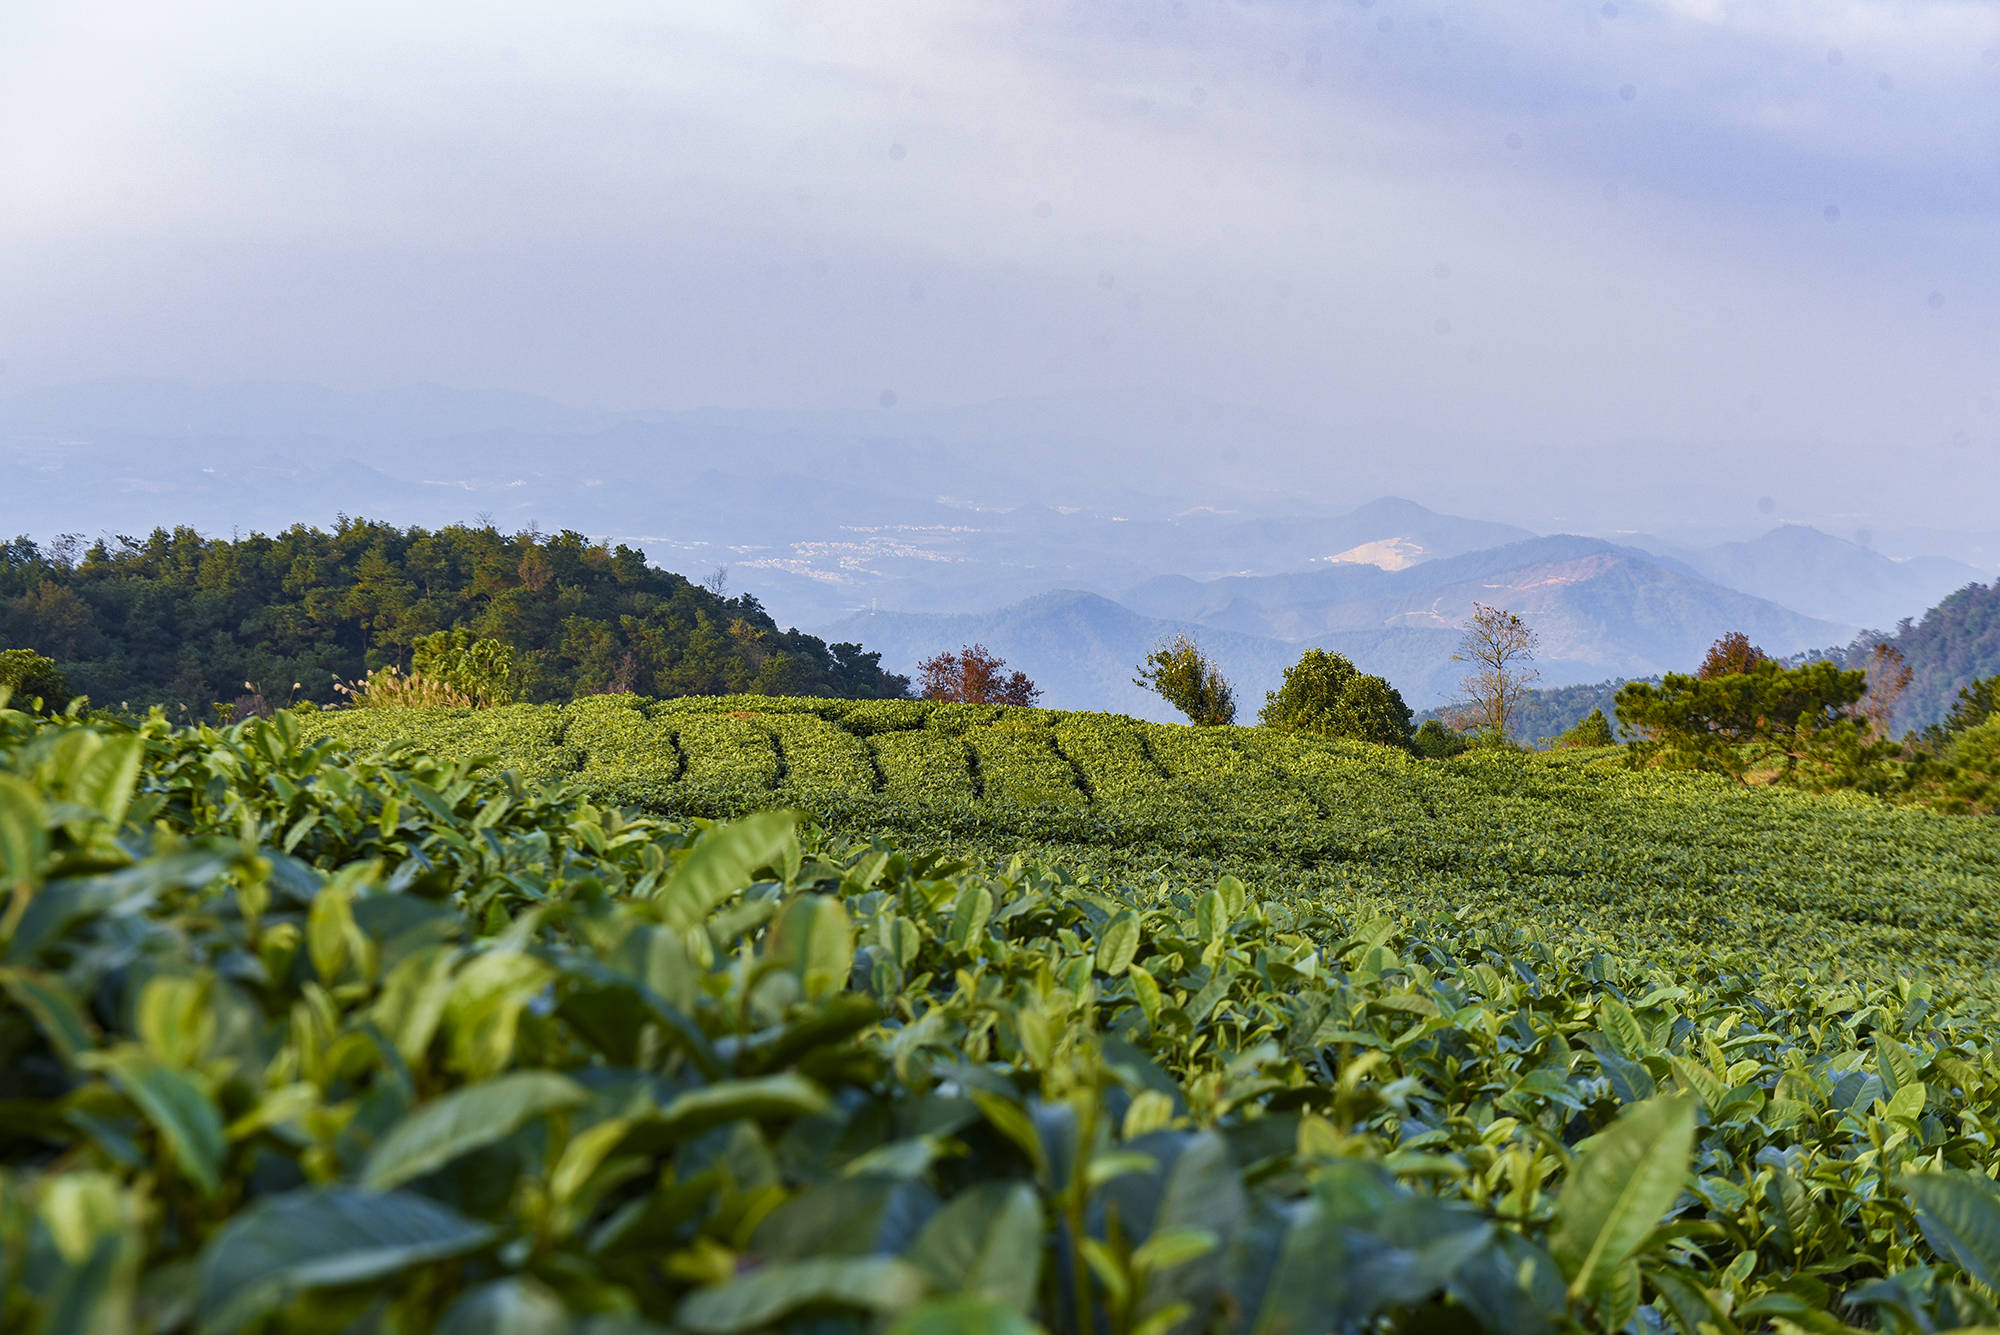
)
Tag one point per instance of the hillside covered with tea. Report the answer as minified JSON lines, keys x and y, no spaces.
{"x":1564,"y":842}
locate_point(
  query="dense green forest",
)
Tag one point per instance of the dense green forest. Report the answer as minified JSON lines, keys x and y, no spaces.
{"x":179,"y":619}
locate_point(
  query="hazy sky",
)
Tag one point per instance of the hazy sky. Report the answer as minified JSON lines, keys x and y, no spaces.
{"x":1500,"y":224}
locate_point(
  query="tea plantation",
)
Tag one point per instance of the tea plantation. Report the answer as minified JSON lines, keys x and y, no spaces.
{"x":298,"y":1034}
{"x":1570,"y":844}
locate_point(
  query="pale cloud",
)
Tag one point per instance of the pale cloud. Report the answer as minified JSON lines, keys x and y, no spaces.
{"x":1502,"y":226}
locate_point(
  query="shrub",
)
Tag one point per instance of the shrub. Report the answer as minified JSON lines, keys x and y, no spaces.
{"x":1974,"y":761}
{"x":391,"y":688}
{"x":28,"y":676}
{"x":1325,"y":695}
{"x":1975,"y":705}
{"x":1592,"y":730}
{"x":972,"y":676}
{"x":1437,"y":742}
{"x":1189,"y":681}
{"x":1738,"y":721}
{"x":483,"y":671}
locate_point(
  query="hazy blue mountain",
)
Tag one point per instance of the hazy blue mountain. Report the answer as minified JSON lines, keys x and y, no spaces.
{"x":822,"y":513}
{"x":1596,"y":603}
{"x":1829,"y":577}
{"x":1602,"y":610}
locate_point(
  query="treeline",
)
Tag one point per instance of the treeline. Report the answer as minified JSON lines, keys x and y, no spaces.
{"x":1544,"y":714}
{"x":1955,"y":644}
{"x":183,"y":620}
{"x":1817,"y":724}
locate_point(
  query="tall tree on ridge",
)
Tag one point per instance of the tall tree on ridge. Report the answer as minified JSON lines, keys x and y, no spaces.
{"x":1500,"y":646}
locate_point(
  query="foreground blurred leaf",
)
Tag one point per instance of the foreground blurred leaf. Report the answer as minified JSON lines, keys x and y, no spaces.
{"x":1625,"y":1179}
{"x":507,"y":1307}
{"x":963,"y":1316}
{"x":311,"y":1239}
{"x":55,"y":1010}
{"x":722,"y":863}
{"x":179,"y":1110}
{"x":463,"y":1120}
{"x":865,"y":1283}
{"x":987,"y":1244}
{"x":772,"y":1097}
{"x":815,"y":941}
{"x":24,"y":836}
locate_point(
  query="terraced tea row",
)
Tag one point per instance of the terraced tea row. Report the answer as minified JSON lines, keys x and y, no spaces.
{"x":902,"y":750}
{"x":1564,"y":844}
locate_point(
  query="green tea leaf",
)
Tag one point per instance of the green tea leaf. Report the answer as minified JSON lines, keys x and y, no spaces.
{"x":513,"y":1306}
{"x":1624,"y":1180}
{"x":723,"y":862}
{"x":1959,"y":1213}
{"x":764,"y":1098}
{"x":105,"y":780}
{"x":57,"y":1014}
{"x":986,"y":1244}
{"x":815,"y":941}
{"x":963,"y":1316}
{"x":1172,"y":1247}
{"x":755,"y":1300}
{"x":87,"y":1298}
{"x":1621,"y":1027}
{"x":179,"y":1109}
{"x":1118,"y":943}
{"x":285,"y":1245}
{"x":968,"y":917}
{"x":175,"y":1019}
{"x":24,"y":835}
{"x":1899,"y":1069}
{"x":1011,"y":1120}
{"x":445,"y":1128}
{"x":1211,"y":917}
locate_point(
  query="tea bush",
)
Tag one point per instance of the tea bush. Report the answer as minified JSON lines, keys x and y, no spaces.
{"x":297,"y":1038}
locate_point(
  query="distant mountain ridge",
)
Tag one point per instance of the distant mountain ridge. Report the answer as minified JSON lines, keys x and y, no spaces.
{"x":1825,"y":576}
{"x":1602,"y":610}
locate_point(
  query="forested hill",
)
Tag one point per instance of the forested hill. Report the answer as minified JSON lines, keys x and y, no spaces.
{"x":1956,"y":643}
{"x":180,"y":619}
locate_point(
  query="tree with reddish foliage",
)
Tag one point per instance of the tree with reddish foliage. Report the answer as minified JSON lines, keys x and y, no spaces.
{"x":1730,"y":655}
{"x":972,"y":676}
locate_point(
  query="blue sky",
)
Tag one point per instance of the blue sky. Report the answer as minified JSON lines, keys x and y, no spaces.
{"x":1485,"y":230}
